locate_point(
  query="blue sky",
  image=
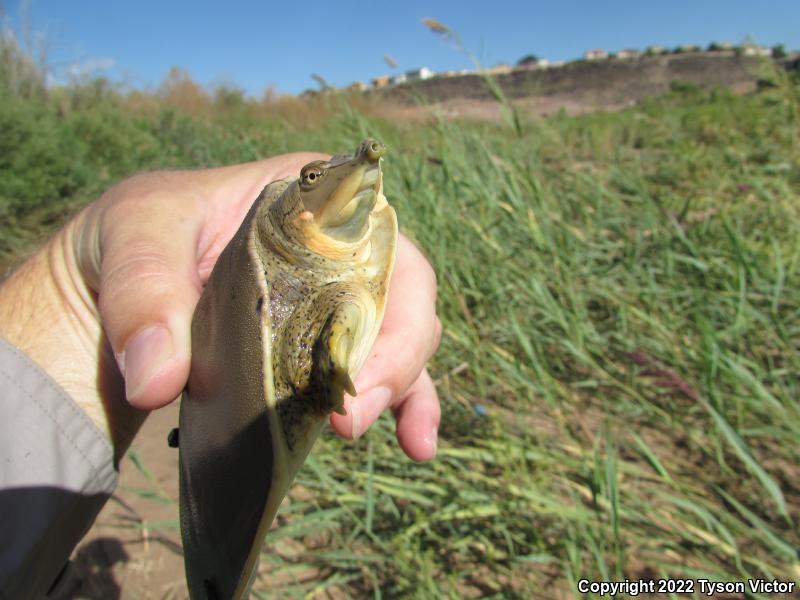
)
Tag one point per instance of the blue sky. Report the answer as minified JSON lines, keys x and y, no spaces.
{"x":257,"y":44}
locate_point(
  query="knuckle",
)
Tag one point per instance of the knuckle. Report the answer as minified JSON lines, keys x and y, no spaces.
{"x":141,"y":184}
{"x":144,"y":192}
{"x":132,"y":200}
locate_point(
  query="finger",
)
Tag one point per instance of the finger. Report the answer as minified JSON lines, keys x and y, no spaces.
{"x":408,"y":337}
{"x":148,"y":290}
{"x":361,"y":412}
{"x":418,"y":415}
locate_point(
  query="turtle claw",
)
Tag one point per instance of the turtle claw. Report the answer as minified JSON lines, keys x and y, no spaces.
{"x":339,"y":409}
{"x":343,"y":383}
{"x":347,"y":384}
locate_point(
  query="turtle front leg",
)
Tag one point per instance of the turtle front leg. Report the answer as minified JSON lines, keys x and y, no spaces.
{"x":321,"y":346}
{"x":333,"y":352}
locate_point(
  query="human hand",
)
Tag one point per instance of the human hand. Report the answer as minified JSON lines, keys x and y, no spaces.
{"x":113,"y":294}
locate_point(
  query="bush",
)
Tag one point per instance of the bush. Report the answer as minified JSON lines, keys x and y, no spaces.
{"x":779,"y":51}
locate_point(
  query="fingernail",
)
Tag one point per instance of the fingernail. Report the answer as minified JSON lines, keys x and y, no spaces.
{"x":143,"y":357}
{"x":367,"y":407}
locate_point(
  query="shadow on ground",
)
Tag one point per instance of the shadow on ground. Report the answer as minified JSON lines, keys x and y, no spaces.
{"x":91,"y":573}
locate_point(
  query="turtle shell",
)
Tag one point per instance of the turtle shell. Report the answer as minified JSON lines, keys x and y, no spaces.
{"x":290,"y":312}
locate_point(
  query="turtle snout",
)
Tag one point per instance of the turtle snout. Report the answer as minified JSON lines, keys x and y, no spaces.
{"x":372,"y":149}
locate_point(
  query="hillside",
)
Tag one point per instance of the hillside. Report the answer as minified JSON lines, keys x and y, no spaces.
{"x":601,"y":82}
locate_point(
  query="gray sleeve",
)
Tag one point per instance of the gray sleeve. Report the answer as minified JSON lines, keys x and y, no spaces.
{"x":56,"y":472}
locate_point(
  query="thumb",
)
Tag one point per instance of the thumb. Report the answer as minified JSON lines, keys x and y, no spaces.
{"x":148,"y":290}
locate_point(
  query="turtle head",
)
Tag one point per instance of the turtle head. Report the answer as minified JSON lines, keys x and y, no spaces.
{"x":334,"y":199}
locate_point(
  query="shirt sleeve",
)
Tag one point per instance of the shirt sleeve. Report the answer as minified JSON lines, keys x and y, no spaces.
{"x":56,"y":472}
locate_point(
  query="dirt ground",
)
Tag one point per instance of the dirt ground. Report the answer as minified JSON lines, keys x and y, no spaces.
{"x":128,"y":553}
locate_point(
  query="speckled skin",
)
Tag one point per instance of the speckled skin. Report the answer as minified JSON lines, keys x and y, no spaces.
{"x":287,"y":319}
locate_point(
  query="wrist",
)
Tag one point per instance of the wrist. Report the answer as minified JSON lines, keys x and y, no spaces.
{"x":48,"y":311}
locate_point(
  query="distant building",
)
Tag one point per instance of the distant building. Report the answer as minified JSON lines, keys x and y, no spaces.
{"x":413,"y":75}
{"x":655,"y":49}
{"x":499,"y":69}
{"x":357,"y":86}
{"x":381,"y":81}
{"x":754,"y":50}
{"x":595,"y":54}
{"x":629,"y":53}
{"x":417,"y":74}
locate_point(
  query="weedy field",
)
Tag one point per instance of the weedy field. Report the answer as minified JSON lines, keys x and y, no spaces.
{"x":620,"y":294}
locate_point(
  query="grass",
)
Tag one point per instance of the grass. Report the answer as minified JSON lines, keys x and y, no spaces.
{"x":621,"y":306}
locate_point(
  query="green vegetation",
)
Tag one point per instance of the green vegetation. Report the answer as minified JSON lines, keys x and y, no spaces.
{"x":620,"y":294}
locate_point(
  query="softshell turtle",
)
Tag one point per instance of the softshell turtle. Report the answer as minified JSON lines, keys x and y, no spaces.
{"x":288,"y":317}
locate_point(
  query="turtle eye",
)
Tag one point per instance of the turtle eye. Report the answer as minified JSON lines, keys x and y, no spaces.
{"x":311,"y":175}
